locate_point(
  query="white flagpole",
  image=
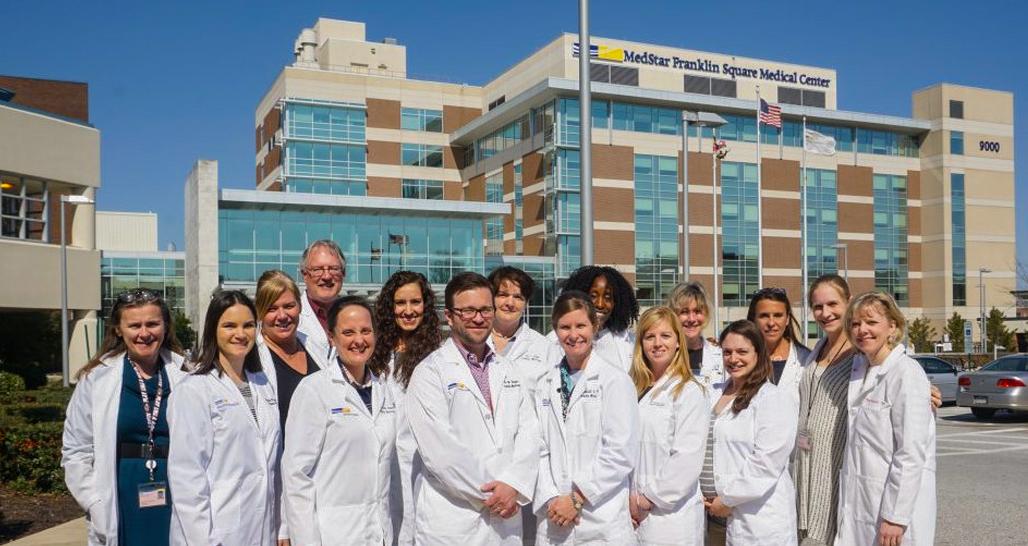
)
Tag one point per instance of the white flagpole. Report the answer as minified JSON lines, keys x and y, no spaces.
{"x":803,"y":228}
{"x":760,"y":208}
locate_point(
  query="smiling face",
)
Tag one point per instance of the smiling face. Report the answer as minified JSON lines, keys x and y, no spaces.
{"x":477,"y":304}
{"x":872,"y":331}
{"x":772,"y":319}
{"x":602,"y":295}
{"x":142,"y":330}
{"x":575,"y":334}
{"x":236,"y":330}
{"x":659,"y":345}
{"x":323,"y":274}
{"x":740,"y":356}
{"x":354,"y":335}
{"x":279,"y":322}
{"x":408,"y":307}
{"x":692,"y":317}
{"x":510,"y":302}
{"x":829,"y":308}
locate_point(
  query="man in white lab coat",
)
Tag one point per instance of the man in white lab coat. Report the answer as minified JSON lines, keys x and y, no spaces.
{"x":323,"y":268}
{"x":472,"y":418}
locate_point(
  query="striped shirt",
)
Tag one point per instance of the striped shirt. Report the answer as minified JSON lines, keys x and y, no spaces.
{"x":244,"y":389}
{"x":707,"y":474}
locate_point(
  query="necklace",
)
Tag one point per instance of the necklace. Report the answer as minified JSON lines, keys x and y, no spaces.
{"x":838,"y":352}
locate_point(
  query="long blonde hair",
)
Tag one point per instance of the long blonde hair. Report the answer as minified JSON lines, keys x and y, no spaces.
{"x":640,"y":372}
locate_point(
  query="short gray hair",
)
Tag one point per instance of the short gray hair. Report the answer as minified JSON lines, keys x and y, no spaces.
{"x":322,"y":243}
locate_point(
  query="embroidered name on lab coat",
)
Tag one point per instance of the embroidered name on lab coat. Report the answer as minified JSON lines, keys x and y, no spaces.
{"x":591,"y":393}
{"x":511,"y":384}
{"x":391,"y":408}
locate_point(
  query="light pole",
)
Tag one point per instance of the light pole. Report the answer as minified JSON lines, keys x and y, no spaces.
{"x":707,"y":119}
{"x":73,"y":200}
{"x":701,"y":120}
{"x":585,"y":140}
{"x":981,"y":307}
{"x":846,"y":259}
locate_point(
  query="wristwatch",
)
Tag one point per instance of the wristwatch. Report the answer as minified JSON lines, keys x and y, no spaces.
{"x":576,"y":502}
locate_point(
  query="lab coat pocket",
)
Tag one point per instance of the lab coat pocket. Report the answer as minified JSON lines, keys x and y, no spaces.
{"x":866,"y":496}
{"x":225,"y":503}
{"x":872,"y":429}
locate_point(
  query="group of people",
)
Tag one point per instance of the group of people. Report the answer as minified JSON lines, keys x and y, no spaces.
{"x":307,"y":418}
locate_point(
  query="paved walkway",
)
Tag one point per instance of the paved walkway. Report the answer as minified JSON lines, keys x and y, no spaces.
{"x":72,"y":533}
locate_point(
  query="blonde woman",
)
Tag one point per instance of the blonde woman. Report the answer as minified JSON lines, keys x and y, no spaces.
{"x":665,"y":503}
{"x":688,"y":300}
{"x":887,"y":483}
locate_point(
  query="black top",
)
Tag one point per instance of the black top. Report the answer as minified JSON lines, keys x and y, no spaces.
{"x":696,"y":359}
{"x":288,"y":379}
{"x":779,"y":367}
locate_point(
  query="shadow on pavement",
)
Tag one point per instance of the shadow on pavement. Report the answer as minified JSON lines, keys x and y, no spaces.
{"x":1001,"y":417}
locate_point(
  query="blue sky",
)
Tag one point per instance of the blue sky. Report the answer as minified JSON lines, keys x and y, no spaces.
{"x":172,"y":82}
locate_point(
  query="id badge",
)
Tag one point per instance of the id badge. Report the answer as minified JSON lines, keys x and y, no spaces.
{"x":803,"y":441}
{"x":153,"y":494}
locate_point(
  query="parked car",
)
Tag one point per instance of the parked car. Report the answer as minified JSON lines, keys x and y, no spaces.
{"x":998,"y":385}
{"x":942,"y":374}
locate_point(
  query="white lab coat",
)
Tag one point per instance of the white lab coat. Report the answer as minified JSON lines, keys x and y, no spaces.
{"x":712,"y":369}
{"x":223,"y":467}
{"x":751,"y":467}
{"x":594,"y":450}
{"x":617,"y":349}
{"x":673,"y":439}
{"x":463,"y":445}
{"x":888,"y":470}
{"x":335,"y":467}
{"x":795,"y":363}
{"x":316,"y":341}
{"x":402,"y":466}
{"x":527,"y":351}
{"x":89,"y":450}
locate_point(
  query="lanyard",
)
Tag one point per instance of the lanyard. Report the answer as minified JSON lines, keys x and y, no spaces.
{"x":567,"y":385}
{"x":151,"y":415}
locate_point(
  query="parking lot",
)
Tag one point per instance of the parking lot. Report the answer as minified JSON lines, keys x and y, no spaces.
{"x":982,"y":478}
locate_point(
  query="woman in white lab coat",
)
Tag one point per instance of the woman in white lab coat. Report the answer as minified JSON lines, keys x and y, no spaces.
{"x":771,"y":311}
{"x":512,"y":337}
{"x":589,"y":419}
{"x":225,"y":437}
{"x":689,"y":302}
{"x":674,"y":413}
{"x":753,"y":430}
{"x":887,"y":483}
{"x":104,"y":464}
{"x":406,"y":331}
{"x":340,"y":436}
{"x":617,"y":309}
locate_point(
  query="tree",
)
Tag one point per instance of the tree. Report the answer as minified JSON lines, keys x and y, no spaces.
{"x":997,"y":332}
{"x":184,"y":330}
{"x":30,"y":345}
{"x":921,"y":334}
{"x":955,"y":330}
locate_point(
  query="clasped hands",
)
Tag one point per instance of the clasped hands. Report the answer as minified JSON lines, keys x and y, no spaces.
{"x":504,"y":499}
{"x":562,"y":511}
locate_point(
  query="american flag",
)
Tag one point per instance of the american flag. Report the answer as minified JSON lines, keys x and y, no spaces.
{"x":770,"y":114}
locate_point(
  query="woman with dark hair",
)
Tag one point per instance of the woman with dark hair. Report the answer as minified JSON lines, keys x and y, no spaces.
{"x":613,"y":298}
{"x":225,"y":437}
{"x":115,"y":445}
{"x":745,"y":481}
{"x":341,"y":430}
{"x":407,"y":331}
{"x":771,"y":311}
{"x":589,"y":418}
{"x":512,"y":337}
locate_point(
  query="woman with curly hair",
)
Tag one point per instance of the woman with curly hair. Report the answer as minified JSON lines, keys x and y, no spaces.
{"x":408,"y":331}
{"x":616,"y":310}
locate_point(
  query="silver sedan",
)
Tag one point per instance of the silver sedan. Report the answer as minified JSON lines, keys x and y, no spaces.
{"x":998,"y":385}
{"x":942,"y":374}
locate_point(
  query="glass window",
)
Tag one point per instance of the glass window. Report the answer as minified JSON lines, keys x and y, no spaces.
{"x":420,"y":119}
{"x":322,"y":122}
{"x":956,"y":142}
{"x":958,"y":238}
{"x":421,"y":155}
{"x":23,"y":208}
{"x":740,"y":233}
{"x":890,"y":211}
{"x":656,"y":227}
{"x":422,"y":189}
{"x":821,"y":222}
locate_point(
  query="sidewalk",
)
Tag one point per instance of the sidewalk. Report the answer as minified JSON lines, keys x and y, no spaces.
{"x":72,"y":533}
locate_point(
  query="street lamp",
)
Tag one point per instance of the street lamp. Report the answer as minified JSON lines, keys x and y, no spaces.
{"x":72,"y":200}
{"x":700,"y":119}
{"x":709,"y":119}
{"x":981,"y":308}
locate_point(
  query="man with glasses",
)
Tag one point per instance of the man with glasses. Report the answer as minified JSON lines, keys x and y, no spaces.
{"x":472,"y":418}
{"x":323,"y":268}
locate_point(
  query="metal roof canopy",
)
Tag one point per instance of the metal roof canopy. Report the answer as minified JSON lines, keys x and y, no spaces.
{"x":357,"y":204}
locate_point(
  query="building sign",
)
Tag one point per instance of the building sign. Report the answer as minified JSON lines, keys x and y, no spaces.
{"x":704,"y":65}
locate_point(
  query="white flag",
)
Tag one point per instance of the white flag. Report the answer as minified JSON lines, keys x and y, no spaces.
{"x":816,"y":143}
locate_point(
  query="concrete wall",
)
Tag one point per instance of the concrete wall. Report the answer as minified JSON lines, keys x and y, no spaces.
{"x":127,"y":231}
{"x":45,"y":147}
{"x":201,"y":208}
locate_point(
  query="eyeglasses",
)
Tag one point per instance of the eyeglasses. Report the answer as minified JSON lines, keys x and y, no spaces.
{"x":468,"y":313}
{"x":138,"y":295}
{"x":326,"y":270}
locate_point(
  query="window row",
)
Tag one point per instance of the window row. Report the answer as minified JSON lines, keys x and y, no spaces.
{"x":333,"y":123}
{"x":421,"y":119}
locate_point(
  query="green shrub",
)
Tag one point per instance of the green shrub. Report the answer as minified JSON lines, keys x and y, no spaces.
{"x":30,"y":457}
{"x":10,"y":386}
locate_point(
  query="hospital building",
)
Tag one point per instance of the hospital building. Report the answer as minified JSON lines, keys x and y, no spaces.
{"x":439,"y":177}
